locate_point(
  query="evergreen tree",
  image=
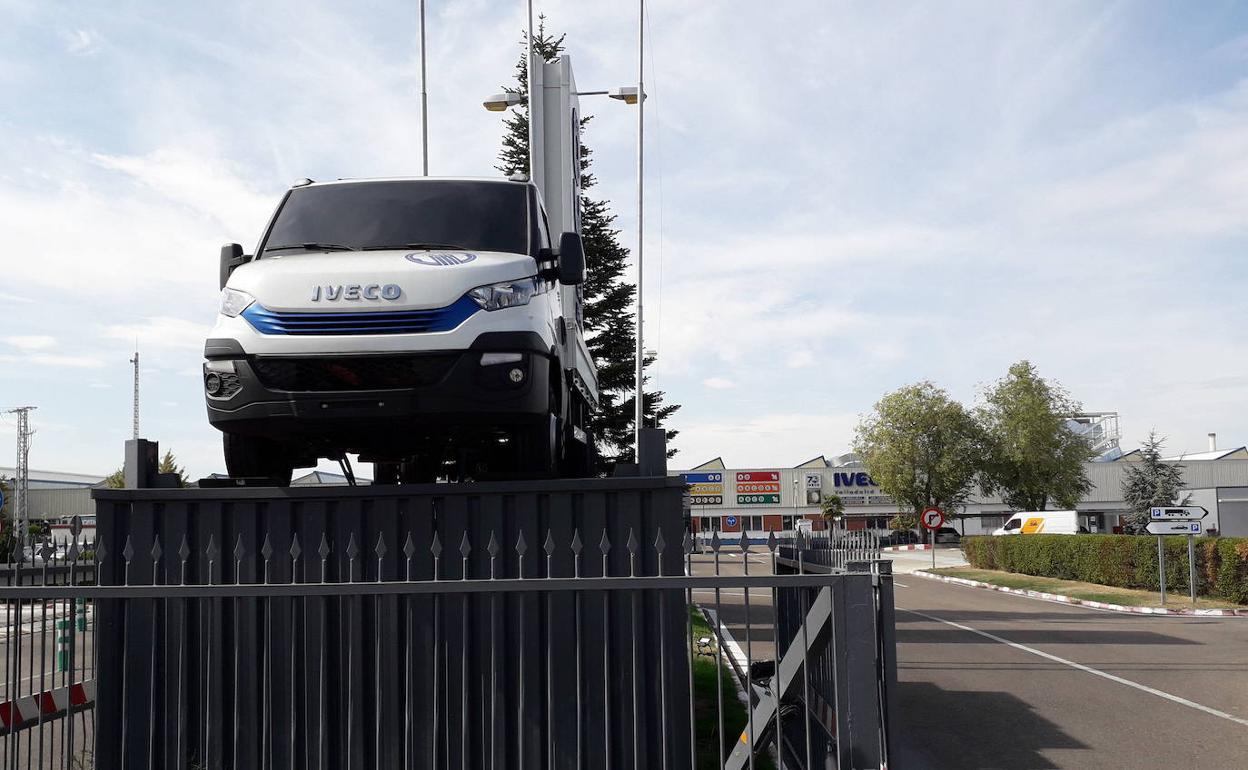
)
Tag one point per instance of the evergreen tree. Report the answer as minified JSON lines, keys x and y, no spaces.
{"x":609,"y":319}
{"x":1151,"y":482}
{"x":169,"y":464}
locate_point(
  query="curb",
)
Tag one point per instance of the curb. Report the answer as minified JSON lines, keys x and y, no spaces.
{"x":911,"y":547}
{"x":1188,"y":612}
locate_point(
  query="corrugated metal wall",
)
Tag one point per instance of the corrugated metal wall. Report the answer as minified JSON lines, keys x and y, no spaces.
{"x":55,"y":503}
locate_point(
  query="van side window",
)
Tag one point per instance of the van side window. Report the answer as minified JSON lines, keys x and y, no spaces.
{"x":1013,"y":523}
{"x":543,"y":230}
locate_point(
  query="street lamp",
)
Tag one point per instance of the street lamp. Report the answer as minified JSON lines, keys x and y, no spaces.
{"x":500,"y":102}
{"x":629,"y":95}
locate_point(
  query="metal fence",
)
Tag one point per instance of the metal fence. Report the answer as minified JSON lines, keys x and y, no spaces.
{"x":550,"y":642}
{"x":47,"y":693}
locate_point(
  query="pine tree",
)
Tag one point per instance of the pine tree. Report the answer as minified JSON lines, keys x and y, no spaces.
{"x":609,"y":318}
{"x":1151,"y":482}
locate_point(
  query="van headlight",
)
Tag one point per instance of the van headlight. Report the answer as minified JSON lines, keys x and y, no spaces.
{"x":234,"y":301}
{"x":498,"y":296}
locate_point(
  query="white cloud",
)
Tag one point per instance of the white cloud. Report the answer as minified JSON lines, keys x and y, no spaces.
{"x":30,"y":341}
{"x":160,"y":332}
{"x":46,"y":359}
{"x":778,"y":439}
{"x":800,"y":359}
{"x":718,"y":383}
{"x":82,"y":42}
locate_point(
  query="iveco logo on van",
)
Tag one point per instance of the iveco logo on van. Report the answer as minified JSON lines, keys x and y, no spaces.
{"x":356,"y":291}
{"x":440,"y":260}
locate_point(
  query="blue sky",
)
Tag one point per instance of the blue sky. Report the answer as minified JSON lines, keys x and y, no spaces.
{"x":843,"y":197}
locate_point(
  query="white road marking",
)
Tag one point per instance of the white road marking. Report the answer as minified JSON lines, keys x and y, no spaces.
{"x":900,"y":585}
{"x":1086,"y":669}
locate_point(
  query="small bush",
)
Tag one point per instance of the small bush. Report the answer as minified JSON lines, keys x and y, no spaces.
{"x":1125,"y":561}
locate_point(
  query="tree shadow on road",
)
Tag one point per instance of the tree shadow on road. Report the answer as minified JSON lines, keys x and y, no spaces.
{"x":950,"y":728}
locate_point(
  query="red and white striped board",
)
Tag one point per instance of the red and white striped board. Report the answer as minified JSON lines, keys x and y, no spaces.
{"x":25,"y":712}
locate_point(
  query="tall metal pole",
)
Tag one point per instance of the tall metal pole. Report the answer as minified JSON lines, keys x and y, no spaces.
{"x":529,"y":87}
{"x":424,"y":99}
{"x":21,"y":482}
{"x":641,"y":124}
{"x":135,"y":361}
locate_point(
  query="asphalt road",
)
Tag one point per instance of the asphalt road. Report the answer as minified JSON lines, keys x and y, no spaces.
{"x":989,"y":680}
{"x":971,"y":700}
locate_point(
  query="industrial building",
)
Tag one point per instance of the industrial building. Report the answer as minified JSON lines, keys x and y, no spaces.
{"x":759,"y":500}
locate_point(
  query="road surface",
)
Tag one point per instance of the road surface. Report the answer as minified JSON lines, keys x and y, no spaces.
{"x":990,"y":680}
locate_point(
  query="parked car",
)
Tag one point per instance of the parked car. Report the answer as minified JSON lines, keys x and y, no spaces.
{"x":899,"y":537}
{"x":948,"y":535}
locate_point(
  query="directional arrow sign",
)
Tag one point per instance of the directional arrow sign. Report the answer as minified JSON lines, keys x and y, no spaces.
{"x":1174,"y":528}
{"x":1178,"y":513}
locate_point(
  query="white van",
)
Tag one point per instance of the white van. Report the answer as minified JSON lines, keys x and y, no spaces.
{"x":1041,"y":523}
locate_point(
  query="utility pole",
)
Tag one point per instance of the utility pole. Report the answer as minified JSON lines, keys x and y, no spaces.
{"x":639,"y":409}
{"x":135,"y":361}
{"x":21,"y":484}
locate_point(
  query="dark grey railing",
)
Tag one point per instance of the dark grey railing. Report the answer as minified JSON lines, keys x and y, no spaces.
{"x":468,"y":627}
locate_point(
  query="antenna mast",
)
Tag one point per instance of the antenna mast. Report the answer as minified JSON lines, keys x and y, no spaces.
{"x":135,"y":361}
{"x":21,"y":484}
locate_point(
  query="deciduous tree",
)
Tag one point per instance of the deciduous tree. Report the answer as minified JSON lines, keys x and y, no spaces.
{"x":1032,"y":456}
{"x":921,"y":447}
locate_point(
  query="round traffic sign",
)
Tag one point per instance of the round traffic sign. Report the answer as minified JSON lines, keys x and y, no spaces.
{"x":730,"y":521}
{"x":932,"y":518}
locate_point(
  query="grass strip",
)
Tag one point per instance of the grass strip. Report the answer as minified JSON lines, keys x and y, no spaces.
{"x":1128,"y":597}
{"x":705,"y":707}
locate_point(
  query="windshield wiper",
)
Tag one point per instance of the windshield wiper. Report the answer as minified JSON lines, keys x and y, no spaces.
{"x":312,"y":247}
{"x":395,"y":247}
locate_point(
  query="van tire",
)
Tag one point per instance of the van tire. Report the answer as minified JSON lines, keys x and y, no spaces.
{"x":252,"y":456}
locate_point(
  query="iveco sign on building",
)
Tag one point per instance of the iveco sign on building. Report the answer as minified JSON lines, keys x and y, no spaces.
{"x":759,"y":500}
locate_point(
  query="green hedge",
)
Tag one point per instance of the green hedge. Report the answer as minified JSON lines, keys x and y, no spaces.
{"x":1125,"y":561}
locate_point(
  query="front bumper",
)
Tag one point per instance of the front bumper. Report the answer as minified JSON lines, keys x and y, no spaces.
{"x":381,"y":402}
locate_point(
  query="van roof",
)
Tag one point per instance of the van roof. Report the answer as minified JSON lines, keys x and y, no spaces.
{"x":493,"y":179}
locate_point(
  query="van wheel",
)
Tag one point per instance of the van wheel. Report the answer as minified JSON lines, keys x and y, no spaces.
{"x":540,"y":448}
{"x":252,"y":456}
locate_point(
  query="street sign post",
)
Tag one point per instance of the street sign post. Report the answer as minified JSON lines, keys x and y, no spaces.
{"x":932,"y":518}
{"x":1178,"y":513}
{"x":1174,"y":528}
{"x":1176,"y":520}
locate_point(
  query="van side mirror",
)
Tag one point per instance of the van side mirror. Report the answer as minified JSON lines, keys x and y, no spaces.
{"x":571,"y":259}
{"x":231,"y":257}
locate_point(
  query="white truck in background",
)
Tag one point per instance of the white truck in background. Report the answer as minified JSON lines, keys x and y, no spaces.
{"x":1041,"y":523}
{"x":433,"y":326}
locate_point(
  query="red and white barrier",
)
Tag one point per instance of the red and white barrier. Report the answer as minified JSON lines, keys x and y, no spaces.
{"x":51,"y":704}
{"x":911,"y":547}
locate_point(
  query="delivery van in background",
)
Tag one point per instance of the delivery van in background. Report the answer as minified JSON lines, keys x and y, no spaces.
{"x":1042,"y":523}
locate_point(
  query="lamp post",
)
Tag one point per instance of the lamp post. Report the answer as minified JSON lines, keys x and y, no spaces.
{"x":424,"y":99}
{"x":640,"y":98}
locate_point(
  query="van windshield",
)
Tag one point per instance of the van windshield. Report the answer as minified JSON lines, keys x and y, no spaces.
{"x":439,"y":214}
{"x":1013,"y":523}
